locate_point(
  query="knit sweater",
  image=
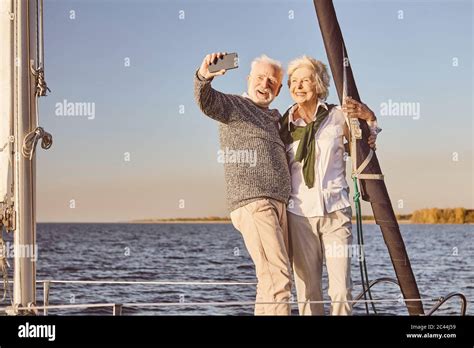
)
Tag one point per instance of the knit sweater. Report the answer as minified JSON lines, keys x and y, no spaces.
{"x":255,"y":164}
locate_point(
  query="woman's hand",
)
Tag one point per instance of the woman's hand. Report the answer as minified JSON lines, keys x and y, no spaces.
{"x":355,"y":109}
{"x":372,"y":139}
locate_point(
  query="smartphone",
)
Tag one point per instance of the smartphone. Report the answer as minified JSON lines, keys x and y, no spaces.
{"x":227,"y":62}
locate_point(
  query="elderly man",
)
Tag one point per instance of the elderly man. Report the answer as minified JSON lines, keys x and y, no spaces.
{"x":256,"y":194}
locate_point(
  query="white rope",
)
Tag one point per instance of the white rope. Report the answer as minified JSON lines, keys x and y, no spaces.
{"x":142,"y":282}
{"x":357,"y":172}
{"x":4,"y":266}
{"x":31,"y":139}
{"x":84,"y":305}
{"x":231,"y":303}
{"x":251,"y":303}
{"x":39,"y":33}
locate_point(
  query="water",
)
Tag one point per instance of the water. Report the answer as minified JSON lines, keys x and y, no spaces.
{"x":442,"y":258}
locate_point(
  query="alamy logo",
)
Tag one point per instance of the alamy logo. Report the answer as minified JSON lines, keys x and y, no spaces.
{"x":237,"y":156}
{"x":37,"y":331}
{"x":392,"y":108}
{"x":67,"y":108}
{"x":11,"y":250}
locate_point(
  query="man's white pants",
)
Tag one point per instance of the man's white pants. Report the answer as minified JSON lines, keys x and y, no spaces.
{"x":263,"y":225}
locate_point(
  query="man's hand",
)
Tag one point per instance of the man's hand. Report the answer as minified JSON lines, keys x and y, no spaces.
{"x":204,"y":69}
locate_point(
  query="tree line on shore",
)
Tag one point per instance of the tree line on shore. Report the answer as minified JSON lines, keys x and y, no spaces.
{"x":435,"y":216}
{"x":422,"y":216}
{"x":443,"y":216}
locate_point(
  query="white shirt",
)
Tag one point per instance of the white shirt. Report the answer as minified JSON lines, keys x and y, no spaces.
{"x":330,"y":191}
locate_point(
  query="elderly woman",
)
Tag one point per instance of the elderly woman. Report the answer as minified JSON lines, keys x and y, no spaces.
{"x":319,"y":209}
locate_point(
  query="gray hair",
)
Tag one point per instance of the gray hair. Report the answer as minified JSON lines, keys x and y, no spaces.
{"x":274,"y":63}
{"x":320,"y":73}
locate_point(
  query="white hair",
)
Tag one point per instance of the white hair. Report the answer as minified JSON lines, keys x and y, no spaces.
{"x":320,"y":73}
{"x":274,"y":63}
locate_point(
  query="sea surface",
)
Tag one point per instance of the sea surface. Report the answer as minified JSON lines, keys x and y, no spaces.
{"x":442,"y":257}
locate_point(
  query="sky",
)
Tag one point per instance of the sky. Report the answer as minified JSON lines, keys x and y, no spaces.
{"x":144,"y":150}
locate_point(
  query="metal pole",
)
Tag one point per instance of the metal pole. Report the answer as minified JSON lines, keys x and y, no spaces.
{"x":46,"y":287}
{"x":6,"y":99}
{"x":117,"y":309}
{"x":24,"y":289}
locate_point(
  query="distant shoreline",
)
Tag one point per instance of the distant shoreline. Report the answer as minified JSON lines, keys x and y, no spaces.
{"x":226,"y":222}
{"x":368,"y":222}
{"x":180,"y":222}
{"x":431,"y":216}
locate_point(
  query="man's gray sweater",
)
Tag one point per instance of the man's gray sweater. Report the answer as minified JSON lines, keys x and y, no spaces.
{"x":255,"y":164}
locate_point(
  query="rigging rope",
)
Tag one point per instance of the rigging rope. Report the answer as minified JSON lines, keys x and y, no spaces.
{"x":31,"y":139}
{"x":4,"y":266}
{"x":355,"y":134}
{"x":360,"y":241}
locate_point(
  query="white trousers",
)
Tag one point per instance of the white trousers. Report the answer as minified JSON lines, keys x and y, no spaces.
{"x":311,"y":240}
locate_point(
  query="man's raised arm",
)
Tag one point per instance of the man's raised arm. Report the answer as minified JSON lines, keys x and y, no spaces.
{"x":218,"y":106}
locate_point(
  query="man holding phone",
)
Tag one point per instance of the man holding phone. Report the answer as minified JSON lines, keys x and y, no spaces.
{"x":256,"y":195}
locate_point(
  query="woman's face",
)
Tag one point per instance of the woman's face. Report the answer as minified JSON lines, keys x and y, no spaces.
{"x":303,"y":86}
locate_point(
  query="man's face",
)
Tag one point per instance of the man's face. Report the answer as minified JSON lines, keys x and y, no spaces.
{"x":303,"y":86}
{"x":263,"y":84}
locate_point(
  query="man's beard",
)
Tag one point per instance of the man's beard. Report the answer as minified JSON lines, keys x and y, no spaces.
{"x":263,"y":101}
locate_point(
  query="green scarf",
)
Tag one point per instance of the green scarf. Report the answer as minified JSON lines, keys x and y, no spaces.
{"x":306,"y":152}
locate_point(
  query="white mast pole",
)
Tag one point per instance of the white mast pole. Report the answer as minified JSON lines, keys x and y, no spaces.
{"x":24,"y":290}
{"x":6,"y":101}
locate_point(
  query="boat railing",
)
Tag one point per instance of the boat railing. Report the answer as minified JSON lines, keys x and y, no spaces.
{"x":439,"y":301}
{"x":443,"y":300}
{"x":117,"y":308}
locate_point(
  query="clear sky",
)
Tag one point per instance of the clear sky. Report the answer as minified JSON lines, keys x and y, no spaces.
{"x":147,"y":149}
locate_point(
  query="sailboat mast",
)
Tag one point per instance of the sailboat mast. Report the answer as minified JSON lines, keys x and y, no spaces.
{"x":24,"y":168}
{"x":6,"y":104}
{"x":373,"y":191}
